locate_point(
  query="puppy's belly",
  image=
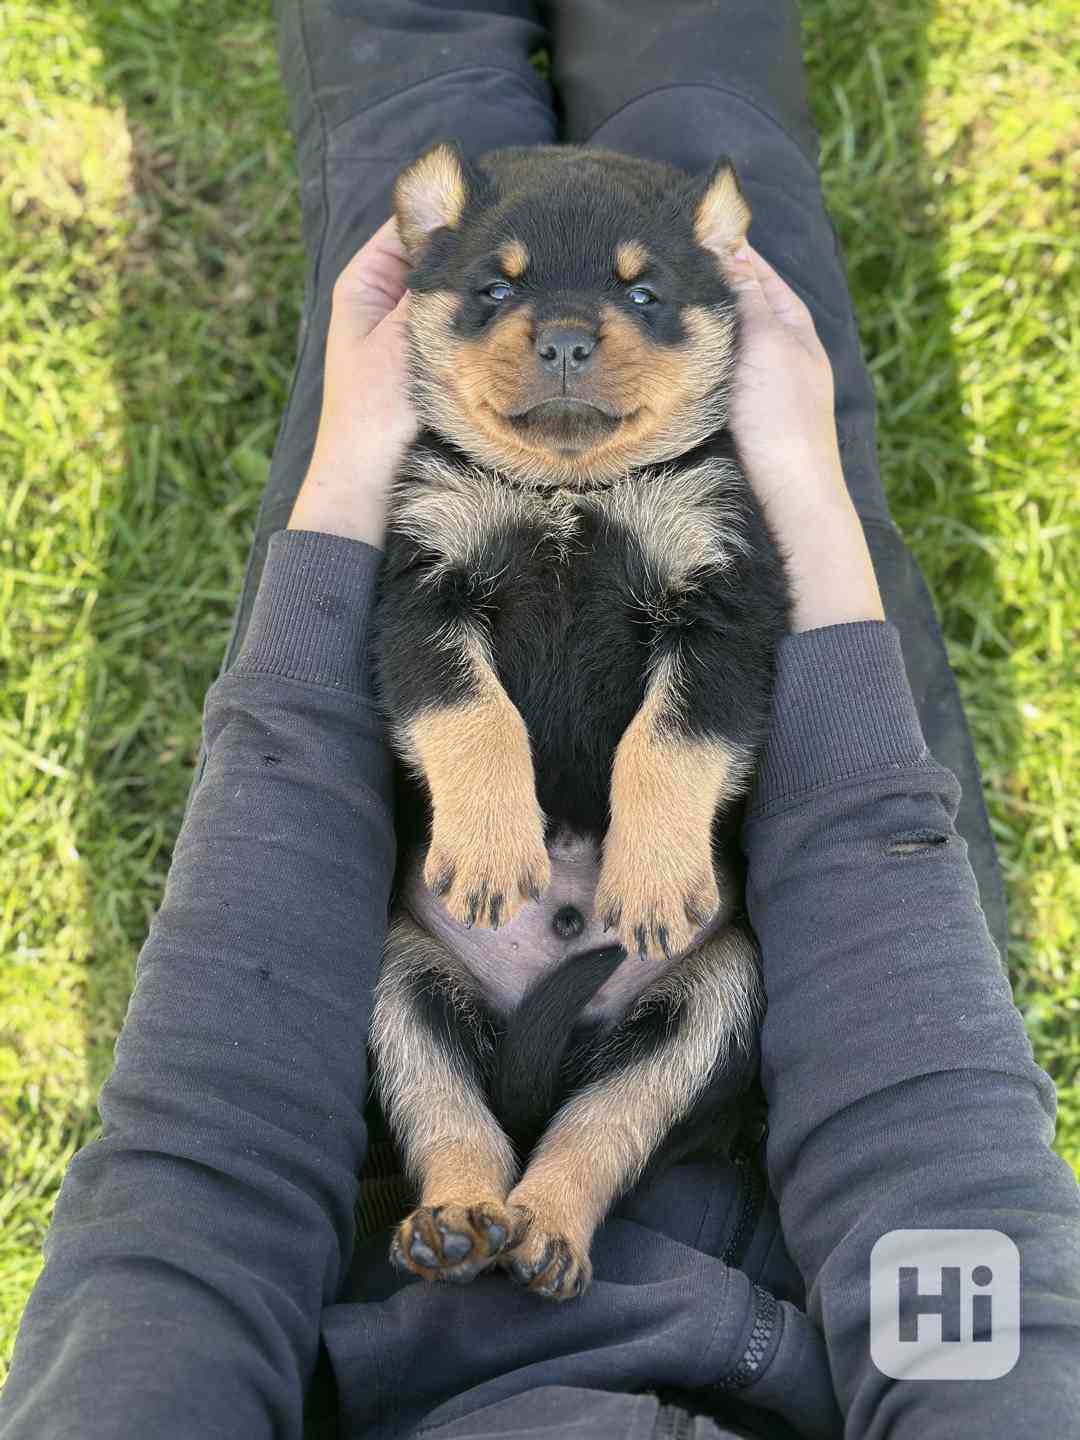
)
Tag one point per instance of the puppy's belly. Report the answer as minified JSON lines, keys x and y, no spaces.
{"x":543,"y":934}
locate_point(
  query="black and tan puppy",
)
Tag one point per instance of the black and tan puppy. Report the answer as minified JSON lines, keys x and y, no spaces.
{"x":576,"y":632}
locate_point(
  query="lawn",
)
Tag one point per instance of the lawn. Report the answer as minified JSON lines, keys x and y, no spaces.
{"x":149,"y":293}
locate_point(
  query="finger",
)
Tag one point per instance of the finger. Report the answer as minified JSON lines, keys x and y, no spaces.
{"x":397,"y":319}
{"x":389,"y":336}
{"x":388,"y":238}
{"x":743,"y":278}
{"x":781,"y":299}
{"x":357,"y":321}
{"x":377,"y":274}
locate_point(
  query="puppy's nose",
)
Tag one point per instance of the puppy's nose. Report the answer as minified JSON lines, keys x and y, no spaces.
{"x":565,"y":347}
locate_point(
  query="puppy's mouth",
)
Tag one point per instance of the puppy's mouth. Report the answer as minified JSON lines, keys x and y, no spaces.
{"x":565,"y":424}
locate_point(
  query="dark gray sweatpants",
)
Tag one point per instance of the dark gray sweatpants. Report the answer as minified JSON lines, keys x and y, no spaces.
{"x":371,"y":83}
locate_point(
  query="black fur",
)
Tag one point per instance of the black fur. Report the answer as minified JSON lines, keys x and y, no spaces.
{"x":539,"y":1057}
{"x":571,"y":654}
{"x":531,"y":195}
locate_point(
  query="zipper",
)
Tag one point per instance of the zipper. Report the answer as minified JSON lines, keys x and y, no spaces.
{"x":764,"y":1335}
{"x":751,"y":1183}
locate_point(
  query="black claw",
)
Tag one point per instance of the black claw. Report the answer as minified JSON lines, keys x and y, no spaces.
{"x":554,"y":1282}
{"x":520,"y":1272}
{"x":441,"y":884}
{"x":496,"y":908}
{"x":423,"y":1254}
{"x":473,"y":911}
{"x":455,"y":1247}
{"x":641,"y":939}
{"x":610,"y":919}
{"x":532,"y":888}
{"x":524,"y":1274}
{"x":560,"y":1274}
{"x":662,"y":941}
{"x":579,"y":1284}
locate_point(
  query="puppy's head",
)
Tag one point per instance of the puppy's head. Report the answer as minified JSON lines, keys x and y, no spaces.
{"x":570,"y":318}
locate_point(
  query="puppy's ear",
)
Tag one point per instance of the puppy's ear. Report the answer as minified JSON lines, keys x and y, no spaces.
{"x":430,"y":194}
{"x":721,"y":214}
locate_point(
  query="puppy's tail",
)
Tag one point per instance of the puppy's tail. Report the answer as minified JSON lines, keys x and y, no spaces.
{"x":528,"y":1069}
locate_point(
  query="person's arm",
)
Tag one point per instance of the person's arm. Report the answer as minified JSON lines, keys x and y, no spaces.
{"x":195,"y":1245}
{"x":901,"y":1086}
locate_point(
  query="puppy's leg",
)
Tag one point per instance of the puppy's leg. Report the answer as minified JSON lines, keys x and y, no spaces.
{"x":487,"y":853}
{"x":649,"y":1076}
{"x":657,"y":885}
{"x":430,"y":1042}
{"x":452,"y":543}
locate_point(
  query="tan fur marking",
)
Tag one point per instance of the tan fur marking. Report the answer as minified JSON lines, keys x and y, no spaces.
{"x":673,"y":397}
{"x":657,"y":885}
{"x":462,"y":1174}
{"x":428,"y":195}
{"x":631,"y":258}
{"x":600,"y":1142}
{"x":490,"y":369}
{"x":723,"y":216}
{"x":514,"y":259}
{"x":487,"y":854}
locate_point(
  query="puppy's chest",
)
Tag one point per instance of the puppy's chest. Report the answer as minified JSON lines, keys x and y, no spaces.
{"x":565,"y":561}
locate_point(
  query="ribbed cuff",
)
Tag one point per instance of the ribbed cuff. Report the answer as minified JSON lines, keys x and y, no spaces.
{"x":311,"y":616}
{"x":843,"y":708}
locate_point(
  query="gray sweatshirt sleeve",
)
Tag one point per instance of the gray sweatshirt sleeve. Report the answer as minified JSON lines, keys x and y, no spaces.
{"x":901,"y":1085}
{"x":196,"y":1243}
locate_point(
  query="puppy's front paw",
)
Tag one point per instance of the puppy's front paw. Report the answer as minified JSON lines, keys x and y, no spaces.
{"x":488,"y":861}
{"x":548,"y":1263}
{"x":454,"y":1242}
{"x":655,"y":898}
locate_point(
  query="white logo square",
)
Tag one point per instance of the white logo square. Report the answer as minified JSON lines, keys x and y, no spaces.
{"x":944,"y":1304}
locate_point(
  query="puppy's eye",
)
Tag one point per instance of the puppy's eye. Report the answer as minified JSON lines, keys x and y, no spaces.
{"x":641,"y":295}
{"x":499,"y":291}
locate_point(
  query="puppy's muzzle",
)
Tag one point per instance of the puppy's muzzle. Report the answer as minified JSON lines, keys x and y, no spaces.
{"x":565,"y":424}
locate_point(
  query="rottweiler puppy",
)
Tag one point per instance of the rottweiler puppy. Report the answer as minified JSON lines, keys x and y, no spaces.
{"x":575,"y":637}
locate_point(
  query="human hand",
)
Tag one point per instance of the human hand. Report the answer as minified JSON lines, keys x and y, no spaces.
{"x":783,"y":423}
{"x":367,"y":420}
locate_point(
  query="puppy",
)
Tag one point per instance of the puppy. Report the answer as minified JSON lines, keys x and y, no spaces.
{"x":575,"y":637}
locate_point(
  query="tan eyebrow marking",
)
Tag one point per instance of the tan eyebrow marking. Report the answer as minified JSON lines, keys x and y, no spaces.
{"x":514,"y":259}
{"x":631,"y":258}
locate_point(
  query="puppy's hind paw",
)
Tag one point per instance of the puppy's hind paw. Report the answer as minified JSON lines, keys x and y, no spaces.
{"x":548,"y":1264}
{"x":453,"y":1243}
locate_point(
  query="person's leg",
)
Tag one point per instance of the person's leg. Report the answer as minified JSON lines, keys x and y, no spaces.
{"x":371,"y":84}
{"x":688,"y":81}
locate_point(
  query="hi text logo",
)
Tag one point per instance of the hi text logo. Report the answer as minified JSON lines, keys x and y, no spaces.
{"x":944,"y":1304}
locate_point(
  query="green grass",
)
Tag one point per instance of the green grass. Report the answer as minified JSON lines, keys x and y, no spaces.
{"x":149,"y":292}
